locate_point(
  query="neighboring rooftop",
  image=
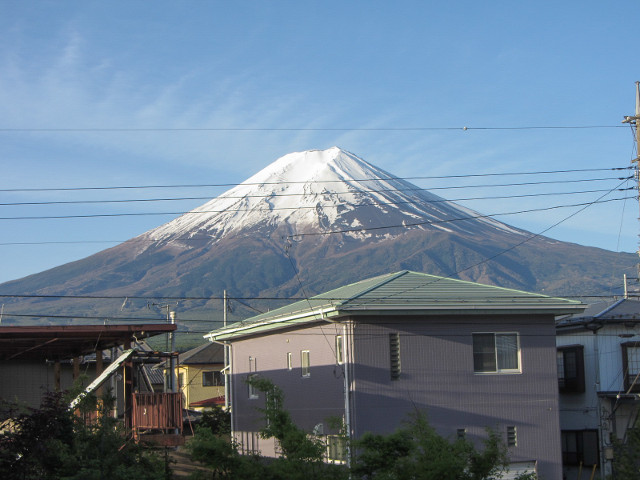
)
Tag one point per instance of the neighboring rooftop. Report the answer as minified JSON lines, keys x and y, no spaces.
{"x":403,"y":293}
{"x":57,"y":342}
{"x":620,"y":311}
{"x":203,"y":354}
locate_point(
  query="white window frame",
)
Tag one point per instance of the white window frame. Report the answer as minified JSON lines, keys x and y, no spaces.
{"x":498,"y":369}
{"x":289,"y":361}
{"x":336,"y":449}
{"x":305,"y":363}
{"x":253,"y":393}
{"x":339,"y":349}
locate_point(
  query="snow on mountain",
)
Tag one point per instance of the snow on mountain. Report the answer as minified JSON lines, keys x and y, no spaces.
{"x":323,"y":191}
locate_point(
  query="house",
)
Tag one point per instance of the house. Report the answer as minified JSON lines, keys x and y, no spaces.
{"x":35,"y":360}
{"x":200,"y":376}
{"x":599,"y":381}
{"x":471,"y":356}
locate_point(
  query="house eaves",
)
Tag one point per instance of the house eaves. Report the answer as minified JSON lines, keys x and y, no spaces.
{"x":402,"y":293}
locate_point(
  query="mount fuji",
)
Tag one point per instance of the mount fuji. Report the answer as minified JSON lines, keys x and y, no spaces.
{"x":308,"y":222}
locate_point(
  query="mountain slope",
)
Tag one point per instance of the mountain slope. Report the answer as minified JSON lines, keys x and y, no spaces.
{"x":309,"y":222}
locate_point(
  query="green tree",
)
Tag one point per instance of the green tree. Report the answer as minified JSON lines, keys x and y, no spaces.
{"x":217,"y":420}
{"x":302,"y":453}
{"x":416,"y":451}
{"x":221,"y":456}
{"x":294,"y":442}
{"x":53,"y":443}
{"x":626,"y":461}
{"x":413,"y":452}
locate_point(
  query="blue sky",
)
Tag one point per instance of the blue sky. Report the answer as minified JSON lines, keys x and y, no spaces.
{"x":145,"y":94}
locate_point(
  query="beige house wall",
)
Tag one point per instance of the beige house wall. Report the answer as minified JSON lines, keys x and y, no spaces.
{"x":192,"y":389}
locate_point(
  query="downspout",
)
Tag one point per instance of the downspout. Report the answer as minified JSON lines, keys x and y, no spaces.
{"x":228,"y":380}
{"x":229,"y":390}
{"x":347,"y":392}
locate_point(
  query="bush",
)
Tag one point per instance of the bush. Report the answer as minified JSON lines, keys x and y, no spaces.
{"x":53,"y":443}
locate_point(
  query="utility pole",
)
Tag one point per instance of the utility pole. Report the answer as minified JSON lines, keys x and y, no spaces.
{"x":227,"y":373}
{"x":173,"y":384}
{"x":634,"y":121}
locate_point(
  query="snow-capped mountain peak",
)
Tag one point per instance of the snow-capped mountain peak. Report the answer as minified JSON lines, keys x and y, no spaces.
{"x":321,"y":191}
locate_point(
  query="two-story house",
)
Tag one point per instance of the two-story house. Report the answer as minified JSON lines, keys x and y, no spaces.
{"x":599,"y":378}
{"x":471,"y":356}
{"x":200,"y":376}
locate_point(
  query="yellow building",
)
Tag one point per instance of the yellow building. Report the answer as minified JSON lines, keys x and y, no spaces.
{"x":200,"y":378}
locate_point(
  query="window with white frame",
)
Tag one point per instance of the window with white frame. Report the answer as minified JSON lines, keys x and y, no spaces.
{"x":305,"y":362}
{"x":289,"y":361}
{"x":253,"y":369}
{"x":253,"y":393}
{"x":496,"y":353}
{"x":336,"y":448}
{"x":212,"y":378}
{"x":339,"y":350}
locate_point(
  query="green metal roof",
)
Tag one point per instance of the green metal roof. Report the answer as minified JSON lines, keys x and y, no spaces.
{"x":402,"y":293}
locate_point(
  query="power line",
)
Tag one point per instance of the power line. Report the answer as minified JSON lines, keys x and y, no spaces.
{"x":195,"y":239}
{"x":472,"y":217}
{"x":207,"y":185}
{"x":513,"y":247}
{"x":299,"y":129}
{"x":239,"y":299}
{"x":172,"y":199}
{"x":200,"y":212}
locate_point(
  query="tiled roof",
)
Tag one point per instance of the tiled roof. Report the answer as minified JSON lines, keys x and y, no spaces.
{"x":402,"y":293}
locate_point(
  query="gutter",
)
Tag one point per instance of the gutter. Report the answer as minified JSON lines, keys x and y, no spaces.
{"x":314,"y":313}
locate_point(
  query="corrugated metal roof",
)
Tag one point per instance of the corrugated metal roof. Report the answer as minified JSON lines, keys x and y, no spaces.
{"x":400,"y":293}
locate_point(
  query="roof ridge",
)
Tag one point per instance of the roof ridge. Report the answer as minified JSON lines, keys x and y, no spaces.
{"x":389,"y":277}
{"x":609,"y":308}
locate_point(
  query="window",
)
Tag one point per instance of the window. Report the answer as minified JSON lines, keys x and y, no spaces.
{"x":336,"y":448}
{"x":212,"y":379}
{"x":306,"y":363}
{"x":394,"y":356}
{"x":496,"y":353}
{"x":571,"y":369}
{"x":339,"y":350}
{"x":253,"y":368}
{"x":580,"y":447}
{"x":512,"y":436}
{"x":631,"y":366}
{"x":461,"y":433}
{"x":289,"y":361}
{"x":181,"y":379}
{"x":253,"y":393}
